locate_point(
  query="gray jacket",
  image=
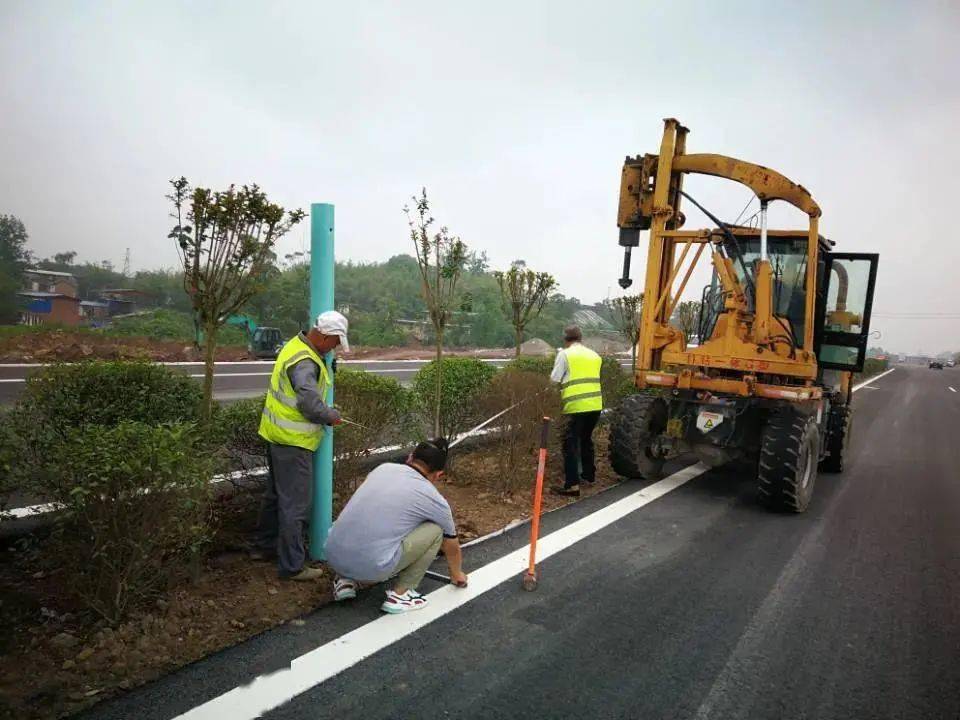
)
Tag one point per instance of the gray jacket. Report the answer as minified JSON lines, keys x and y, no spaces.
{"x":304,"y":377}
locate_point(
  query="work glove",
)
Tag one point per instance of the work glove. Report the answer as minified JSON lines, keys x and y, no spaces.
{"x":335,"y":418}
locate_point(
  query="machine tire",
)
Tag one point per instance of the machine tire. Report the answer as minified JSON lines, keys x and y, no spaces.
{"x":789,"y":452}
{"x":840,"y":425}
{"x":639,"y":419}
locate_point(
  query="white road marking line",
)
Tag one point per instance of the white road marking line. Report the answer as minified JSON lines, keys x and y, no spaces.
{"x":315,"y":667}
{"x":951,"y":389}
{"x":872,"y":380}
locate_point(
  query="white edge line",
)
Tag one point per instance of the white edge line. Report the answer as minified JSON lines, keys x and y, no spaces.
{"x":872,"y":380}
{"x":315,"y":667}
{"x":951,"y":389}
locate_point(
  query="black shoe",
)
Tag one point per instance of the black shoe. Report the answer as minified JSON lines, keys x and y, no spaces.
{"x":588,"y":480}
{"x":572,"y":491}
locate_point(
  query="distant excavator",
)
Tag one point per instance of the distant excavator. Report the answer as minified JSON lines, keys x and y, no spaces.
{"x":783,"y":326}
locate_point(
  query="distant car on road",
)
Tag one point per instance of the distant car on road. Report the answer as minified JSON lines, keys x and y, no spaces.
{"x":936,"y":365}
{"x":951,"y":363}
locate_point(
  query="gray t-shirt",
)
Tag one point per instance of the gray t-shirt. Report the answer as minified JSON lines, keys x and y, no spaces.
{"x":365,"y":541}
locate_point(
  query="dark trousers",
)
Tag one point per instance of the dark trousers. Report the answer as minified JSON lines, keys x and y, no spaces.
{"x":285,"y":509}
{"x":578,"y":448}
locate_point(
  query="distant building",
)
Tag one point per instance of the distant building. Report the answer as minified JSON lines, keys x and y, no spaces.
{"x":94,"y":311}
{"x":123,"y":301}
{"x":47,"y":308}
{"x":49,"y":298}
{"x":49,"y":281}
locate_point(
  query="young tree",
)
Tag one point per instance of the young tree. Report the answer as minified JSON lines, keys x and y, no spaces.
{"x":14,"y":257}
{"x":523,"y":293}
{"x":440,"y":258}
{"x":226,"y":253}
{"x":627,"y":311}
{"x":687,"y":317}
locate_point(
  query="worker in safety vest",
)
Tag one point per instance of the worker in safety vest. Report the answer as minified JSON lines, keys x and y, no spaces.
{"x":293,"y":422}
{"x":577,"y":370}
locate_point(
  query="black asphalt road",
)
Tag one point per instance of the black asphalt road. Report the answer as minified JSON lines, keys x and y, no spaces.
{"x":232,"y":380}
{"x":699,"y":605}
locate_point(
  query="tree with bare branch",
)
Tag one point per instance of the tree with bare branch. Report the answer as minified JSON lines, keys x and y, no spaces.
{"x":626,"y":311}
{"x":523,"y":293}
{"x":441,"y":258}
{"x":225,"y":241}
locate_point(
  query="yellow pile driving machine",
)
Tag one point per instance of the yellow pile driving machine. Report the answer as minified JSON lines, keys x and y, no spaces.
{"x":783,"y":325}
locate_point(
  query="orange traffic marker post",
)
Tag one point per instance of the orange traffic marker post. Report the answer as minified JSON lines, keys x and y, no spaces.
{"x":529,"y":581}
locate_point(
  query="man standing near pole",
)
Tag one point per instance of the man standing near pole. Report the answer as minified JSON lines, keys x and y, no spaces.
{"x":293,"y":423}
{"x":577,"y":370}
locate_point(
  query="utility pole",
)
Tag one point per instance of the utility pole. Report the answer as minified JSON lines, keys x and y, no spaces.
{"x":126,"y":264}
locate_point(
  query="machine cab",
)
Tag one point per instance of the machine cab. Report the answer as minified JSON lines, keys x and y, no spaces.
{"x":266,"y":342}
{"x":844,"y":306}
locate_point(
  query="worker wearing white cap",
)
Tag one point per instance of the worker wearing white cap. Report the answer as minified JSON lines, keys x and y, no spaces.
{"x":295,"y":417}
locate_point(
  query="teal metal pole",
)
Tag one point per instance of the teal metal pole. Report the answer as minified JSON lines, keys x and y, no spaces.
{"x":321,"y":300}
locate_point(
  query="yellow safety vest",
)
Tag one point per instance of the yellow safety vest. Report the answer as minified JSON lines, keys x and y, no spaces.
{"x":282,"y":422}
{"x":580,"y":392}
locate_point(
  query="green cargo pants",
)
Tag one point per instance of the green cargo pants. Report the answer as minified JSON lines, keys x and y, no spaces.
{"x":418,"y":551}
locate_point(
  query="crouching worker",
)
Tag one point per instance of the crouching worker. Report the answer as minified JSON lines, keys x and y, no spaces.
{"x":394,"y":525}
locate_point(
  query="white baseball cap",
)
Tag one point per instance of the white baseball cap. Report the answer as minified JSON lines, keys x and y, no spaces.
{"x":333,"y":323}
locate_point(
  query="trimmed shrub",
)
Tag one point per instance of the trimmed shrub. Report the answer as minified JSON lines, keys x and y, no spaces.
{"x":541,"y":365}
{"x":235,"y":432}
{"x":381,"y":405}
{"x":135,"y":499}
{"x":61,"y":398}
{"x":463,"y":382}
{"x":107,"y":393}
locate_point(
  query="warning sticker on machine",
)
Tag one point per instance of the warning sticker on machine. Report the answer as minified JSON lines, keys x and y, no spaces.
{"x":707,"y":421}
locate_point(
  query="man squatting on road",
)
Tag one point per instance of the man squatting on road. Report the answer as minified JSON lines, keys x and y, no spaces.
{"x":577,"y":370}
{"x":393,"y":525}
{"x":293,"y":422}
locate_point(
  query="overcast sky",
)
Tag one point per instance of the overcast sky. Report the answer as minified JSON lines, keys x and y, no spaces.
{"x":515,"y":115}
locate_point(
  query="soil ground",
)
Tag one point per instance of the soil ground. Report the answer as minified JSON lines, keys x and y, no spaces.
{"x":56,"y":658}
{"x":73,"y":346}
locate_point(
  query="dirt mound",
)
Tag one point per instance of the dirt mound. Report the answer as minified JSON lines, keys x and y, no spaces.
{"x":536,"y":346}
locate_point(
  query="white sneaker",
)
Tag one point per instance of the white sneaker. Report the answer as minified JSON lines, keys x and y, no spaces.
{"x":396,"y":604}
{"x":344,"y":589}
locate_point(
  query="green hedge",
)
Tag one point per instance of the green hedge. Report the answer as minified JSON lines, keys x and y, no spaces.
{"x":539,"y":364}
{"x":109,"y":392}
{"x":463,"y":383}
{"x":136,"y":499}
{"x":234,"y":432}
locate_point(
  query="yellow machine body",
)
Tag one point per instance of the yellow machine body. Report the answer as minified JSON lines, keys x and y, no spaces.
{"x":747,"y":353}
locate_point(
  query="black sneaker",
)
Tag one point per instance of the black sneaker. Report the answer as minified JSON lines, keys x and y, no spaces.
{"x":588,"y":480}
{"x":572,"y":491}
